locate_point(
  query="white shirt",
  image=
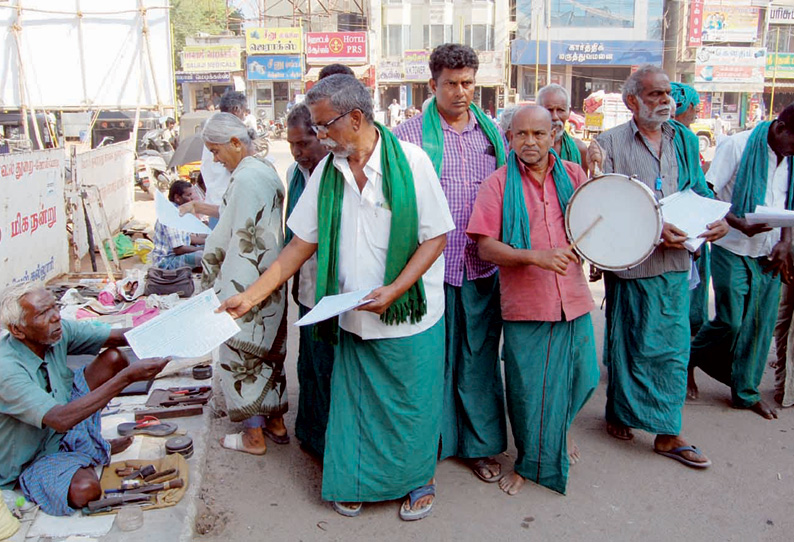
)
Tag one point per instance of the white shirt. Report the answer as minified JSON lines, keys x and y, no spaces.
{"x":722,"y":175}
{"x":308,"y":272}
{"x":216,"y":177}
{"x":364,"y":237}
{"x":250,"y":122}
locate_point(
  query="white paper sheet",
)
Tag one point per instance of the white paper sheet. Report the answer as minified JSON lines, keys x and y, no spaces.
{"x":189,"y":330}
{"x":334,"y":305}
{"x":168,"y":215}
{"x":692,"y":213}
{"x":776,"y":218}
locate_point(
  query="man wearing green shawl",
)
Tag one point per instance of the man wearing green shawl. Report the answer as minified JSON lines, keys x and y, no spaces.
{"x":465,"y":147}
{"x":557,"y":101}
{"x":374,"y":212}
{"x":551,"y":368}
{"x":315,"y":357}
{"x":749,"y":169}
{"x":646,"y":344}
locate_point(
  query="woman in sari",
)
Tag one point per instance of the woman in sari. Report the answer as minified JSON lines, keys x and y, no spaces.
{"x":244,"y":243}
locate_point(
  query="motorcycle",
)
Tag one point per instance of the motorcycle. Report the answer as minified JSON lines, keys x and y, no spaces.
{"x":151,"y":164}
{"x":278,"y":127}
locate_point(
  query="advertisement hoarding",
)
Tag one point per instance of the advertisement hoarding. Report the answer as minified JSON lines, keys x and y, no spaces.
{"x":331,"y":47}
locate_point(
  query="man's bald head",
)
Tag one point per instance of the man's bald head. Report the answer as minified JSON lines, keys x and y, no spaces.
{"x":533,"y":134}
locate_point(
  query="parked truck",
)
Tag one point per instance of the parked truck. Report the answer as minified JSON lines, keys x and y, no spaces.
{"x":602,"y":112}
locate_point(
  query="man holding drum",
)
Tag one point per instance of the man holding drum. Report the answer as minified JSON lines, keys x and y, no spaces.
{"x":750,"y":168}
{"x":647,"y":329}
{"x":550,"y":358}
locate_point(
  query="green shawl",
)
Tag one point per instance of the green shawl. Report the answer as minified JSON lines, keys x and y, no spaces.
{"x":515,"y":218}
{"x":433,"y":135}
{"x":751,"y":177}
{"x":400,"y":194}
{"x":568,"y":149}
{"x":687,"y":154}
{"x":296,"y":186}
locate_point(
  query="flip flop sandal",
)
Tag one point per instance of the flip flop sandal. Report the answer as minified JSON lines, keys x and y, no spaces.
{"x":675,"y":453}
{"x":234,"y":442}
{"x":409,"y":514}
{"x":278,"y":439}
{"x":149,"y":425}
{"x":478,"y":465}
{"x":347,"y":511}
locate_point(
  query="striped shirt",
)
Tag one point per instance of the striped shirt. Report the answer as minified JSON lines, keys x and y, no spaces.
{"x":469,"y":158}
{"x":628,"y":152}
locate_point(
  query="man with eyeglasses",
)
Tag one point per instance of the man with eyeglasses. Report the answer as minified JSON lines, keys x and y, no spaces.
{"x":376,"y":216}
{"x":465,"y":147}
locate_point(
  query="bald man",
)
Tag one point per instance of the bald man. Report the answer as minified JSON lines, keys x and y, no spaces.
{"x":549,"y":348}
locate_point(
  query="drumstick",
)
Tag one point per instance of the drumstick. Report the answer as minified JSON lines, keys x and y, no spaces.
{"x":587,"y":231}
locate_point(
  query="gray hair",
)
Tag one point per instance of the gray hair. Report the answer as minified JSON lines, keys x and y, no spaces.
{"x":232,"y":100}
{"x":506,"y":120}
{"x":633,"y":85}
{"x":11,"y":311}
{"x":220,"y":128}
{"x":300,"y":116}
{"x":551,"y":89}
{"x":344,"y":92}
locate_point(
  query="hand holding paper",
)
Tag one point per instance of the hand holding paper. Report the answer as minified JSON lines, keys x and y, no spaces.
{"x":692,"y":215}
{"x":334,"y":305}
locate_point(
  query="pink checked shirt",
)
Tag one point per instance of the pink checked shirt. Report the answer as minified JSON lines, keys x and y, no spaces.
{"x":529,"y":292}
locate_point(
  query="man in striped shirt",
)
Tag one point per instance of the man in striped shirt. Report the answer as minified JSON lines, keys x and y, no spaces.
{"x":473,"y":423}
{"x":647,"y":330}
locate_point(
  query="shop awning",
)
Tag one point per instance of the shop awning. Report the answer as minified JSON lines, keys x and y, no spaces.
{"x":314,"y":73}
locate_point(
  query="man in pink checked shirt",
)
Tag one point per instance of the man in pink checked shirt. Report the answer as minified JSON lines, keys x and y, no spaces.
{"x":465,"y":147}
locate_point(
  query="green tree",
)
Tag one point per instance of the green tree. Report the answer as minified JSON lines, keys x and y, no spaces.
{"x":209,"y":16}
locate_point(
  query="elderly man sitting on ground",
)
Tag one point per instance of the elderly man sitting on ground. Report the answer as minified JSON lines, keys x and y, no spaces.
{"x":50,"y":412}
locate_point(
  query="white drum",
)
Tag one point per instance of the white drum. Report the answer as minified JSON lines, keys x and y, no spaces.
{"x":614,"y":222}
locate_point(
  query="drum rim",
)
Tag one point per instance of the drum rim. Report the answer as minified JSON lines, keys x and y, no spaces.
{"x":659,"y":228}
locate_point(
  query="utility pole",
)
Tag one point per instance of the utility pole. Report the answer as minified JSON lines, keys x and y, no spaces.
{"x":672,"y":26}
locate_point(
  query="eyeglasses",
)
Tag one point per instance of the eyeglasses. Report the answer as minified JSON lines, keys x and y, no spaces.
{"x":323,"y":128}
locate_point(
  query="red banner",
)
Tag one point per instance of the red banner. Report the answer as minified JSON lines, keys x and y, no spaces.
{"x":695,"y":23}
{"x":330,"y":47}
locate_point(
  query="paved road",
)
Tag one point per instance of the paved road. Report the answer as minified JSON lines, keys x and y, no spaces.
{"x":619,"y":492}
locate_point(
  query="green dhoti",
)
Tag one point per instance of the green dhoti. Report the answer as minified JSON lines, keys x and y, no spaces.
{"x":734,"y":346}
{"x":646,"y":351}
{"x":385,"y":417}
{"x":551,"y":370}
{"x":699,"y":297}
{"x":315,"y":364}
{"x":473,"y":421}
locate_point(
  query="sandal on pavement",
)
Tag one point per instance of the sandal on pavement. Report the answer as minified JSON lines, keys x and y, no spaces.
{"x":149,"y":425}
{"x":484,"y":464}
{"x":349,"y":510}
{"x":278,"y":439}
{"x":234,"y":442}
{"x":407,"y":512}
{"x":676,"y":453}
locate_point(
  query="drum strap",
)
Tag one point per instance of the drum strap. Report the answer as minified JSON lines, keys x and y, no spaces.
{"x":515,"y":217}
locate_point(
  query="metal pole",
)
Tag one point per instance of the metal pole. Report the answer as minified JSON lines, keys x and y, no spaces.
{"x":537,"y":50}
{"x":548,"y":42}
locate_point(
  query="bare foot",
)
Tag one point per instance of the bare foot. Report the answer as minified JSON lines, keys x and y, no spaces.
{"x":512,"y":483}
{"x":764,"y":410}
{"x":276,"y":426}
{"x":779,"y":396}
{"x":252,"y":441}
{"x":487,"y":469}
{"x":574,"y":455}
{"x":665,"y":443}
{"x":118,"y":445}
{"x":692,"y":391}
{"x":619,"y":431}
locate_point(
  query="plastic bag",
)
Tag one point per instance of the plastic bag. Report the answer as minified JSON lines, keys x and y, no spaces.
{"x":142,"y":248}
{"x":124,"y":247}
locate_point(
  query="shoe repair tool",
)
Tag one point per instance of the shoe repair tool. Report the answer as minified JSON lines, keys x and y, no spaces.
{"x":116,"y":500}
{"x":180,"y":411}
{"x":149,"y":425}
{"x":202,"y":372}
{"x":156,"y":477}
{"x":143,"y":472}
{"x":179,"y":445}
{"x":124,"y":472}
{"x":154,"y":488}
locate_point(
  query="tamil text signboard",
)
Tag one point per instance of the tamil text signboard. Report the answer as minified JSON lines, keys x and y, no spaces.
{"x":730,"y":69}
{"x":33,"y":239}
{"x":211,"y":58}
{"x":274,"y":68}
{"x":780,"y":65}
{"x":273,"y":41}
{"x":416,"y":65}
{"x":589,"y":53}
{"x":781,"y":15}
{"x":330,"y":47}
